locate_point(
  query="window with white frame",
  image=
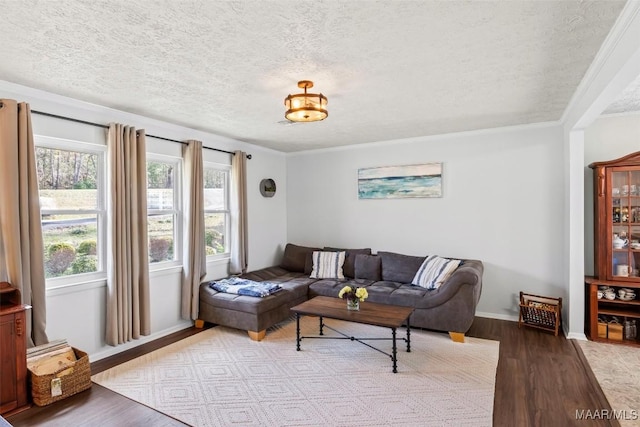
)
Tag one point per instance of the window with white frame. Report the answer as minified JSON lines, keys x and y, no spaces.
{"x":72,"y":201}
{"x":216,"y":209}
{"x":164,"y":208}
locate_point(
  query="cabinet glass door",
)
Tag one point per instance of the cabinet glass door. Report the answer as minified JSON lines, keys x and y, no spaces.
{"x":625,"y":227}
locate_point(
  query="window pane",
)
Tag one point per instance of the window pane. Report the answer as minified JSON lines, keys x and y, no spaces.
{"x":70,"y":244}
{"x":67,"y":179}
{"x":214,"y":185}
{"x":160,"y":185}
{"x":160,"y":238}
{"x":214,"y":235}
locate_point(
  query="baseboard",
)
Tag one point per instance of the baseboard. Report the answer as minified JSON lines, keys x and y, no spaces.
{"x":568,"y":335}
{"x":576,"y":336}
{"x":143,"y":340}
{"x":509,"y":317}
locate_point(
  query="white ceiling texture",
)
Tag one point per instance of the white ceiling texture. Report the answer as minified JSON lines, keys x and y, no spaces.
{"x":390,"y":69}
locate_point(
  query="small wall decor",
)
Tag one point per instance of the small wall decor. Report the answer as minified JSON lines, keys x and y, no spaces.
{"x":397,"y":182}
{"x":267,"y":187}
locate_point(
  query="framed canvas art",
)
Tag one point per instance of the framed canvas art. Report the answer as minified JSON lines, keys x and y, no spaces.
{"x":399,"y":182}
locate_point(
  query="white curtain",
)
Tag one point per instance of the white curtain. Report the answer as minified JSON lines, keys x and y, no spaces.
{"x":128,"y":311}
{"x":21,"y":245}
{"x":239,"y":237}
{"x":194,"y":255}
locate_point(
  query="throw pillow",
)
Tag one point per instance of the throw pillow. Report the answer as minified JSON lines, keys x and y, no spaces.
{"x":350,"y":258}
{"x":367,"y":267}
{"x":434,"y":271}
{"x":398,"y":267}
{"x":327,"y":265}
{"x":295,"y":258}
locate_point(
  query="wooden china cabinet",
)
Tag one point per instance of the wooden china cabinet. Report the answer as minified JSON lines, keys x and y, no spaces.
{"x":13,"y":351}
{"x":613,"y":294}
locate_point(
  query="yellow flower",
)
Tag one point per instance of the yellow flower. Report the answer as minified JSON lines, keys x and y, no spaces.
{"x":349,"y":292}
{"x":345,"y":290}
{"x":362,"y":293}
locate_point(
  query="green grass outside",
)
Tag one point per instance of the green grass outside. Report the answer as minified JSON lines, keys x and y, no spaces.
{"x":158,"y":227}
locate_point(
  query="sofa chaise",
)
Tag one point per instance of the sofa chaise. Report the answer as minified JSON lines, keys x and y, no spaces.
{"x":387,"y":276}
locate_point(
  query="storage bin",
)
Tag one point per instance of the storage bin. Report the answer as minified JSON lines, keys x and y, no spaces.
{"x":62,"y":382}
{"x":615,"y":331}
{"x":602,"y":328}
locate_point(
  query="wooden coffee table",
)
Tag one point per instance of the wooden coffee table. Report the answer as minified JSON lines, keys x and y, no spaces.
{"x":370,"y":313}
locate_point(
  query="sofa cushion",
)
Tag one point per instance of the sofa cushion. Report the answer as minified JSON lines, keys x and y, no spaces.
{"x":332,"y":287}
{"x":396,"y":293}
{"x":295,"y":258}
{"x":434,"y":271}
{"x":327,"y":265}
{"x":398,"y":267}
{"x":350,"y":258}
{"x":367,"y":267}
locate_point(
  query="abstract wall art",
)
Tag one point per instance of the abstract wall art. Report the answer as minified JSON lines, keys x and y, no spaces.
{"x":399,"y":182}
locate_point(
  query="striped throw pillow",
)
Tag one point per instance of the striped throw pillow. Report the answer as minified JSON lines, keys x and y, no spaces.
{"x":327,"y":265}
{"x":434,"y":271}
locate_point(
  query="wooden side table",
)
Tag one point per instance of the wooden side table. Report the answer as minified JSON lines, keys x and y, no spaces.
{"x":13,"y":351}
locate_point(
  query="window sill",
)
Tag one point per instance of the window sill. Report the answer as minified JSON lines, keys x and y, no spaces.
{"x":76,"y":285}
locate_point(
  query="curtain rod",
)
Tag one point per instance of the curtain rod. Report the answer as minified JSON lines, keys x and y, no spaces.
{"x":107,"y":127}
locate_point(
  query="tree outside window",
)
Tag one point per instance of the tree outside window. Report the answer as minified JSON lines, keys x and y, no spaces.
{"x":71,"y":202}
{"x":163,"y":209}
{"x":216,"y":210}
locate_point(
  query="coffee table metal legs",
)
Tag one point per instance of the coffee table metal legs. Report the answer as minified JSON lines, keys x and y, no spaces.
{"x":394,"y":355}
{"x":409,"y":334}
{"x":297,"y":331}
{"x":394,"y":352}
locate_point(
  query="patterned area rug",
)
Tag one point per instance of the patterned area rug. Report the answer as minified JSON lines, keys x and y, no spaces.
{"x":617,"y":369}
{"x":220,"y":377}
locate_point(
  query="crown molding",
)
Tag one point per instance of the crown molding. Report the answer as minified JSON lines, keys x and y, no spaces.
{"x":624,"y":35}
{"x":41,"y":100}
{"x":427,"y":138}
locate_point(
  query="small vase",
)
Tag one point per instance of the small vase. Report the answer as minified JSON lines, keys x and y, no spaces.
{"x":353,"y":304}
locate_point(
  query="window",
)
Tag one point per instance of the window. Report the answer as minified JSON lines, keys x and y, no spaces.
{"x":216,"y":209}
{"x":163,"y":207}
{"x":71,"y":184}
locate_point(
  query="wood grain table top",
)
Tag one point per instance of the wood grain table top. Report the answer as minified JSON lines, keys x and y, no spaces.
{"x":370,"y":313}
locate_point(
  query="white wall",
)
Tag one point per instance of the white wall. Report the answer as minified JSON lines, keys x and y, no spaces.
{"x":77,"y":313}
{"x":608,"y":138}
{"x":268,"y":215}
{"x":502,"y":204}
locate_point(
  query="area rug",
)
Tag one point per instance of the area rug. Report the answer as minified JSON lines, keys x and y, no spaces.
{"x":220,"y":377}
{"x":617,"y":369}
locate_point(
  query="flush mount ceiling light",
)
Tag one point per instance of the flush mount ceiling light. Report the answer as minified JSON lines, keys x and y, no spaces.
{"x":306,"y":107}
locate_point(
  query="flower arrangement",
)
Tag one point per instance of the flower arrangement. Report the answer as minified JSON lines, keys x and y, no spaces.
{"x":349,"y":293}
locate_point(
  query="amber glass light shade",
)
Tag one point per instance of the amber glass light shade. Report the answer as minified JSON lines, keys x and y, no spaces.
{"x":306,"y":107}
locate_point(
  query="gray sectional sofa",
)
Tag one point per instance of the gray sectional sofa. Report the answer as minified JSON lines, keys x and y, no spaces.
{"x":387,"y":277}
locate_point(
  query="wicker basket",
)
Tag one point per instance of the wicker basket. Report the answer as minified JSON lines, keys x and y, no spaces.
{"x":540,"y":312}
{"x":72,"y":380}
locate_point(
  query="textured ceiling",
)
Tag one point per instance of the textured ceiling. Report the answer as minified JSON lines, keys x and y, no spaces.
{"x":629,"y":100}
{"x":390,"y":69}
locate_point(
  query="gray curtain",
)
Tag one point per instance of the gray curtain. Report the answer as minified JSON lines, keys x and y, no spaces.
{"x":128,"y":311}
{"x":20,"y":227}
{"x":194,"y":255}
{"x":239,"y":258}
